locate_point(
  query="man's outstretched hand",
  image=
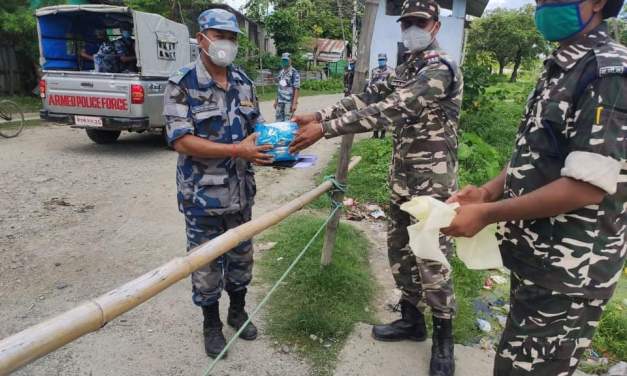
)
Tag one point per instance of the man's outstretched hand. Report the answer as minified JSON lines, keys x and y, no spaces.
{"x":307,"y":135}
{"x":304,"y":119}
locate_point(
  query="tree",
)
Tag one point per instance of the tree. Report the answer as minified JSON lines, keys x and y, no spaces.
{"x":285,"y":29}
{"x":18,"y":30}
{"x":528,"y":42}
{"x":303,"y":19}
{"x":509,"y":36}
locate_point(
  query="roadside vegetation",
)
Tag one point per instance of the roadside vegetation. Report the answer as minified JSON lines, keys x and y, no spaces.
{"x":315,"y":310}
{"x":308,"y":88}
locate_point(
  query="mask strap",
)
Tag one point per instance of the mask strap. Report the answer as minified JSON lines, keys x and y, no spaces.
{"x":581,"y":23}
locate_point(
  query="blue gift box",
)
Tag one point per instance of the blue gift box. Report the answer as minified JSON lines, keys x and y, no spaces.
{"x":280,"y":135}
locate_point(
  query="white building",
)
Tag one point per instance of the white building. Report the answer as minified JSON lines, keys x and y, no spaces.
{"x":387,"y":31}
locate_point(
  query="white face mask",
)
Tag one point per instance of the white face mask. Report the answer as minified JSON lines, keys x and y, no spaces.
{"x":416,"y":39}
{"x":221,"y":52}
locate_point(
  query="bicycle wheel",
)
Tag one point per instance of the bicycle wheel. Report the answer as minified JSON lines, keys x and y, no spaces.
{"x":11,"y":119}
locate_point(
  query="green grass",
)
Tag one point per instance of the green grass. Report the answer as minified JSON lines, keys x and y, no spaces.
{"x":26,"y":103}
{"x":610,"y":339}
{"x":368,"y":182}
{"x":323,"y":302}
{"x":467,"y":284}
{"x":308,"y":88}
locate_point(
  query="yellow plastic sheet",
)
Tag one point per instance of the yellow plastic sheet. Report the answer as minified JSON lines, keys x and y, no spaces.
{"x":478,"y":252}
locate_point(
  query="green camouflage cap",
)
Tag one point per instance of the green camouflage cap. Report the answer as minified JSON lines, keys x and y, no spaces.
{"x":420,"y":9}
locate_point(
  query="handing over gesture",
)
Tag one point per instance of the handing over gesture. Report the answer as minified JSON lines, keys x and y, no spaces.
{"x":310,"y":131}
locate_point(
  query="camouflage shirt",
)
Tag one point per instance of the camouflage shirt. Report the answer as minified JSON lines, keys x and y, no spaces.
{"x":106,"y":60}
{"x":574,"y":126}
{"x":421,"y":102}
{"x":288,"y":80}
{"x":380,"y":74}
{"x":196,"y":105}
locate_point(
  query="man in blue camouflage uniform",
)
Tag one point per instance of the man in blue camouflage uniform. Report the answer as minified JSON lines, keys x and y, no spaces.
{"x":561,"y":199}
{"x":211,"y":109}
{"x":125,"y":50}
{"x":421,"y":102}
{"x":380,"y":74}
{"x":349,"y":74}
{"x":101,"y":53}
{"x":288,"y":89}
{"x":106,"y":60}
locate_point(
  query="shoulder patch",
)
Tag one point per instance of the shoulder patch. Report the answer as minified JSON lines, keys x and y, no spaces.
{"x":432,"y":54}
{"x":611,"y":59}
{"x":608,"y":71}
{"x":179,"y":74}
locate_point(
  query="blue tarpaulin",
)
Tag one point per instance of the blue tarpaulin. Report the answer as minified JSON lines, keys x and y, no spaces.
{"x":63,"y":36}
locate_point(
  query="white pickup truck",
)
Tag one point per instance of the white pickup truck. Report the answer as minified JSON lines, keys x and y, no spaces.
{"x":105,"y":104}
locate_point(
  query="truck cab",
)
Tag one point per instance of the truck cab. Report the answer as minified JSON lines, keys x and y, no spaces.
{"x":77,"y":89}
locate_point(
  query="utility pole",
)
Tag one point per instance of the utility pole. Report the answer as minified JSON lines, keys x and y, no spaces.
{"x":354,"y":22}
{"x":339,"y":11}
{"x":359,"y":81}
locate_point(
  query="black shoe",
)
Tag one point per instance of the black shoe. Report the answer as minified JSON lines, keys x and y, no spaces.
{"x":212,"y":331}
{"x":410,"y":327}
{"x":442,"y":350}
{"x":238,"y":316}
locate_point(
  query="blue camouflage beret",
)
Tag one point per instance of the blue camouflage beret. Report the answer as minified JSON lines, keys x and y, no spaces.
{"x":218,"y":19}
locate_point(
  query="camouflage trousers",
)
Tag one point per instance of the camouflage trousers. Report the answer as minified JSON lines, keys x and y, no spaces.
{"x":233,"y":271}
{"x":423,"y":283}
{"x":283,"y":111}
{"x":546,"y":331}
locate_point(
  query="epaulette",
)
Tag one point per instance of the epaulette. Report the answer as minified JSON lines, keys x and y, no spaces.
{"x":611,"y":59}
{"x":181,"y":73}
{"x":432,"y":57}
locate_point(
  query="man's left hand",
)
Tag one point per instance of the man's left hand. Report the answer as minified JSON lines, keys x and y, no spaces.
{"x":293,"y":108}
{"x":470,"y":219}
{"x":306,"y":136}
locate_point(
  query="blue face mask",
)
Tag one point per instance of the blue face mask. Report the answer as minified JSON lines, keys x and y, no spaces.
{"x":560,"y":21}
{"x":382,"y":63}
{"x":126,"y":34}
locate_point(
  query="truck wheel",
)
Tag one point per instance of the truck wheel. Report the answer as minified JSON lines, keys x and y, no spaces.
{"x":102,"y":137}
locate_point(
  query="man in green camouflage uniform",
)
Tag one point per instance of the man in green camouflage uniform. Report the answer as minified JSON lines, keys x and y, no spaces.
{"x":421,"y":102}
{"x":561,"y":200}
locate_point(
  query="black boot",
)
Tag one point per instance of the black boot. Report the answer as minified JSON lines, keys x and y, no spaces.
{"x":411,"y":326}
{"x":238,"y":316}
{"x":442,"y":350}
{"x":212,"y":330}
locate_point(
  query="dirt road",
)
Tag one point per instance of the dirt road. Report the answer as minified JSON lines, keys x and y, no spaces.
{"x":79,"y":219}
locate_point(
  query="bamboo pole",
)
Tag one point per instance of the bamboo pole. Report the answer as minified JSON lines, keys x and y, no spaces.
{"x":359,"y":82}
{"x":41,"y":339}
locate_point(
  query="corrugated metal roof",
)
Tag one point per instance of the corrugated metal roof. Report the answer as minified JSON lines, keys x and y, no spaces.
{"x":329,"y":50}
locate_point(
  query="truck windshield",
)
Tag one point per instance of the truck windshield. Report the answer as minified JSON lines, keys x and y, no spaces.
{"x":88,"y":41}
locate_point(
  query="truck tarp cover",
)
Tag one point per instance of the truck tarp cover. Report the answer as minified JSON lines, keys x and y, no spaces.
{"x":160,"y":44}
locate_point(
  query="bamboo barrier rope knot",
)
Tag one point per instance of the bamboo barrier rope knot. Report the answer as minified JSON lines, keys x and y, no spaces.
{"x":338,"y":187}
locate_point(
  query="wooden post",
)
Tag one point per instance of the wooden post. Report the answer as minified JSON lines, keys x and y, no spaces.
{"x":359,"y":82}
{"x":41,"y":339}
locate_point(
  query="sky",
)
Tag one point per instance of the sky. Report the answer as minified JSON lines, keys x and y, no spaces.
{"x":508,"y":3}
{"x":491,"y":5}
